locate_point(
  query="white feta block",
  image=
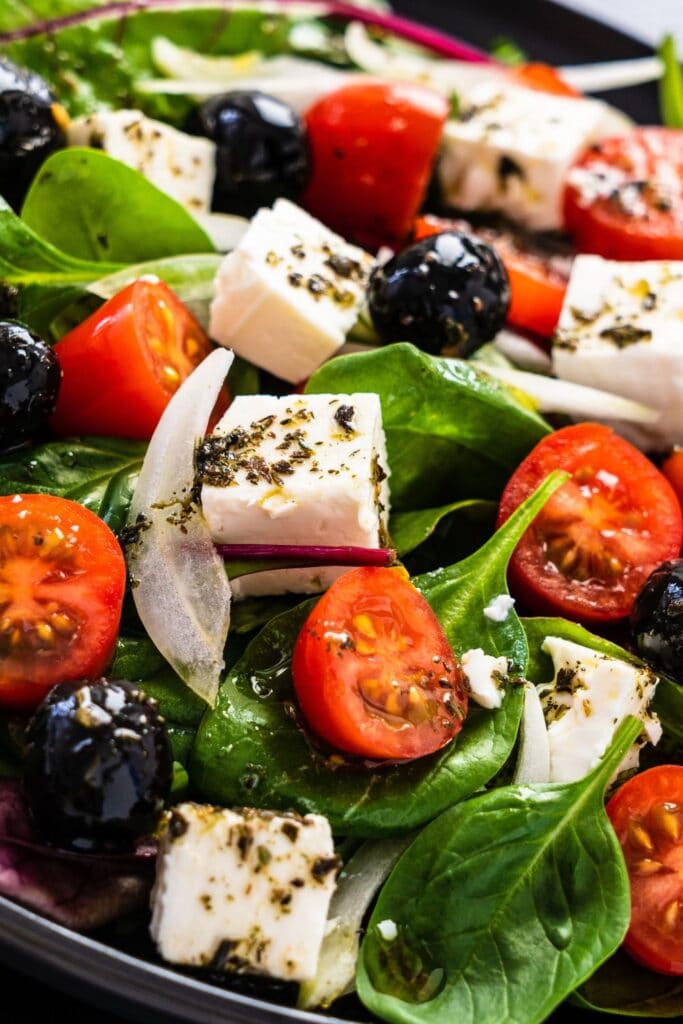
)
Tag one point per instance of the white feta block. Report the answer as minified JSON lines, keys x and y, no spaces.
{"x":304,"y":470}
{"x":485,"y":676}
{"x":590,"y":697}
{"x":620,"y":331}
{"x":287,"y":296}
{"x":183,"y":166}
{"x":243,"y":890}
{"x":511,"y":148}
{"x":273,"y":582}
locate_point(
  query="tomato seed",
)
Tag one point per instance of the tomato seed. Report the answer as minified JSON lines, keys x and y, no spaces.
{"x":640,"y":837}
{"x":671,"y":914}
{"x":666,"y":821}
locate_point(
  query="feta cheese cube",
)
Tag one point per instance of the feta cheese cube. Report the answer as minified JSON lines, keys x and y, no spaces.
{"x":183,"y":166}
{"x":590,"y":697}
{"x":512,"y":147}
{"x":243,"y":890}
{"x":620,"y":330}
{"x":301,"y":470}
{"x":485,"y":677}
{"x":286,"y":297}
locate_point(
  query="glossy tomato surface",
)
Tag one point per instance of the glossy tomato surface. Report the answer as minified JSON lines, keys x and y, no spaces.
{"x":599,"y":537}
{"x":538,"y":270}
{"x":647,"y":815}
{"x":122,"y":366}
{"x":624,"y":197}
{"x":373,"y":146}
{"x":62,"y":579}
{"x":374,"y":673}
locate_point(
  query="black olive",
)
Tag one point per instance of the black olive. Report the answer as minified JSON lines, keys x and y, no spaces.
{"x":29,"y":383}
{"x":97,"y":765}
{"x":657,"y":619}
{"x":262,"y":150}
{"x":448,"y":293}
{"x":24,"y":80}
{"x":30,"y":129}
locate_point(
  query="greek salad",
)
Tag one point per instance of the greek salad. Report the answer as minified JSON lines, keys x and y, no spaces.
{"x":341,"y":477}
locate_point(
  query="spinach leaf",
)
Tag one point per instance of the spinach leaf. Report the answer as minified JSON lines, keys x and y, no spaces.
{"x":503,"y":905}
{"x":671,"y":84}
{"x":622,"y":986}
{"x":250,"y":749}
{"x":98,"y":472}
{"x":429,"y":538}
{"x":96,"y":208}
{"x":408,"y":530}
{"x":137,"y":659}
{"x":452,"y":432}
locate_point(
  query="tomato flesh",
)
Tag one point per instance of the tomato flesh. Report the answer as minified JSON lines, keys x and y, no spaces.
{"x":593,"y":545}
{"x":62,"y":580}
{"x":374,"y":673}
{"x":672,"y":468}
{"x":647,"y":815}
{"x":624,"y":197}
{"x":538,"y":272}
{"x":121,"y":366}
{"x":359,"y":187}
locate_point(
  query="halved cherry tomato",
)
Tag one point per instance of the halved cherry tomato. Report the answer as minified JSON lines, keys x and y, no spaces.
{"x":599,"y":537}
{"x":624,"y":196}
{"x":62,"y":579}
{"x":538,"y":270}
{"x":374,"y":672}
{"x":647,"y":815}
{"x":359,"y":187}
{"x":121,"y":366}
{"x":543,"y":78}
{"x":672,"y":468}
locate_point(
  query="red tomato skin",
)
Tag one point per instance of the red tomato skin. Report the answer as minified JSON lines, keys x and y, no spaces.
{"x":602,"y":227}
{"x":326,"y":675}
{"x":543,"y":78}
{"x":645,"y":942}
{"x":111,"y":381}
{"x":672,"y":468}
{"x":358,"y":186}
{"x":94,"y":597}
{"x":588,"y":444}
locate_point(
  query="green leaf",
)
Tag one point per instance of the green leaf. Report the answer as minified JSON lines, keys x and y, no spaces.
{"x":98,"y":472}
{"x":507,"y":51}
{"x":452,"y":432}
{"x":98,"y":209}
{"x":138,"y":660}
{"x":671,"y":84}
{"x":251,"y":750}
{"x":408,"y":530}
{"x":622,"y":986}
{"x":504,"y":905}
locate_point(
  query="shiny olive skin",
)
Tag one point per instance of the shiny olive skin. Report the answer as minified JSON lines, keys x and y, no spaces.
{"x":29,"y":132}
{"x":29,"y":383}
{"x":97,"y":765}
{"x":262,"y":150}
{"x":24,"y":80}
{"x":657,"y":619}
{"x":448,"y":294}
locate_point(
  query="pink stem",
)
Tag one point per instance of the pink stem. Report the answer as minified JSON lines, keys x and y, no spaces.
{"x":310,"y":555}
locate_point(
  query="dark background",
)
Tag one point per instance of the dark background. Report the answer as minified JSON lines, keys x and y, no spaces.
{"x":546,"y":32}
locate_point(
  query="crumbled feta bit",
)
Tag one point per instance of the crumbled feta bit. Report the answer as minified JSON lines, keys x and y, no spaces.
{"x":589,"y":698}
{"x":498,"y":609}
{"x":620,"y":329}
{"x":511,"y":148}
{"x":296,"y":470}
{"x":183,"y":166}
{"x":485,"y":676}
{"x":246,"y":890}
{"x":286,"y":297}
{"x":388,"y":930}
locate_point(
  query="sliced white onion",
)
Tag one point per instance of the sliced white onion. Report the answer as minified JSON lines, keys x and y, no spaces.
{"x":613,"y":74}
{"x":533,"y":758}
{"x":553,"y":395}
{"x":180,"y":587}
{"x":224,"y":229}
{"x":358,"y":883}
{"x":522,"y":352}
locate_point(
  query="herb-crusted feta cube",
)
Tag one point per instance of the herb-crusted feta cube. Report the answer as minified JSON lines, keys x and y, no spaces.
{"x":244,"y":890}
{"x":286,"y":297}
{"x":183,"y":166}
{"x":620,"y":329}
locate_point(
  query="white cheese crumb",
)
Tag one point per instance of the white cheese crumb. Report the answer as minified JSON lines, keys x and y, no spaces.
{"x":485,"y":677}
{"x":388,"y":930}
{"x":499,"y":608}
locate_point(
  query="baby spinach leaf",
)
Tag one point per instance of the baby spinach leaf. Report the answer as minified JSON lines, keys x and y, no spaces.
{"x":409,"y":530}
{"x":98,"y":472}
{"x":250,"y":748}
{"x":671,"y":84}
{"x":137,"y":659}
{"x":622,"y":986}
{"x":503,"y":905}
{"x":452,"y":431}
{"x":96,"y":208}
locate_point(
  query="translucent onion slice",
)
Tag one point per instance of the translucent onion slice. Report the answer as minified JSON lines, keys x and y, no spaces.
{"x":180,"y":587}
{"x":533,"y":758}
{"x":358,"y":884}
{"x":612,"y":74}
